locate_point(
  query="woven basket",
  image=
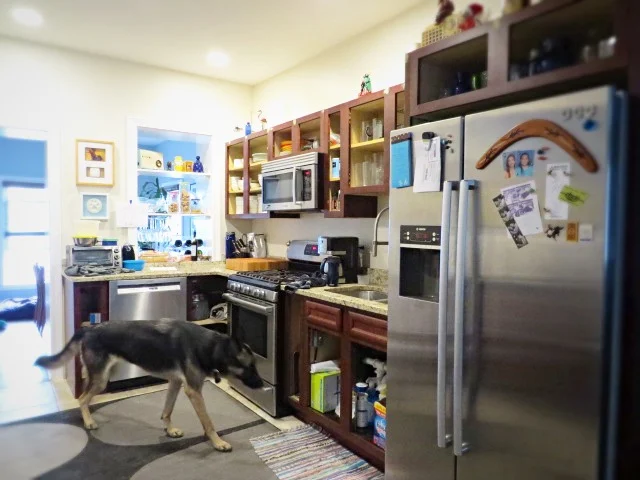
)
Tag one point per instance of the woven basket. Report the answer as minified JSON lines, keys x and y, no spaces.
{"x":447,"y":28}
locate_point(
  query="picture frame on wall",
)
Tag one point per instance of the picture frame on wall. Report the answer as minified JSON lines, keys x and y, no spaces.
{"x":95,"y":206}
{"x":94,"y":163}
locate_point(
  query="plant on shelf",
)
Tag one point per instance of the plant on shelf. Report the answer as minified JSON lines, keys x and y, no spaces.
{"x":152,"y":190}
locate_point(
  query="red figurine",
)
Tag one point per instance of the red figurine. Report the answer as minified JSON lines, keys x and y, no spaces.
{"x":445,"y":8}
{"x":471,"y":16}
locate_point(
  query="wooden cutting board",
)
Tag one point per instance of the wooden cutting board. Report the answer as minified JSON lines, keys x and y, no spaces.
{"x":256,"y":264}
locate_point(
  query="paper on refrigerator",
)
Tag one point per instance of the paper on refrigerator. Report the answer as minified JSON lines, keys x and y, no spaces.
{"x":558,"y":175}
{"x":522,"y":201}
{"x":428,"y":164}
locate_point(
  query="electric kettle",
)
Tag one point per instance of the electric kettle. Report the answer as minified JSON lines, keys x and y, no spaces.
{"x":331,"y":269}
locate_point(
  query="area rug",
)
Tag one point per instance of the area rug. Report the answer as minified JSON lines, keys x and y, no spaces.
{"x":131,"y":443}
{"x":305,"y":453}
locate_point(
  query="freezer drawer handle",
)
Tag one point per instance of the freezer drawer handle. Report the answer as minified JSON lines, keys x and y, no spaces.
{"x":459,"y":446}
{"x":443,"y":439}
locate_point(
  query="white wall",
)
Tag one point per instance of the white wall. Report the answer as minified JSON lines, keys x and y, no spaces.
{"x":334,"y":76}
{"x":88,"y":97}
{"x":329,"y":79}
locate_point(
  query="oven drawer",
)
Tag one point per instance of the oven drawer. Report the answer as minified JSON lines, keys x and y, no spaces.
{"x":324,"y":316}
{"x":368,"y":329}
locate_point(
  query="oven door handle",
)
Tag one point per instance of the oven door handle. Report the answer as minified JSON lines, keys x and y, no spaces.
{"x":235,"y":300}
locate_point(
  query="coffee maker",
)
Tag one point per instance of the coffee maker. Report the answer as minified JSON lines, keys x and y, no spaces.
{"x":345,"y":248}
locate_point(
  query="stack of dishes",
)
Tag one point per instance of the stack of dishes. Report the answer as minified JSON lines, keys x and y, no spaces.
{"x":285,"y":147}
{"x":259,"y":157}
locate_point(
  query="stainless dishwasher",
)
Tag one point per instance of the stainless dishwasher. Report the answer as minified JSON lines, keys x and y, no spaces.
{"x":149,"y":299}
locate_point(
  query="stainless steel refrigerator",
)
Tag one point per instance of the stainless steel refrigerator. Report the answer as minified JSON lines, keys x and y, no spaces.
{"x":502,"y":353}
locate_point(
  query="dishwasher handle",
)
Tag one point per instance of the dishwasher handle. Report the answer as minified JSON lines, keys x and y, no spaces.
{"x":146,"y":288}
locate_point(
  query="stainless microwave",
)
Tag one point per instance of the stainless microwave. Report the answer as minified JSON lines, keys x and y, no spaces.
{"x":291,"y":183}
{"x":100,"y":255}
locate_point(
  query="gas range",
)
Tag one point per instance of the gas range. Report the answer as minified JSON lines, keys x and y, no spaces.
{"x":304,"y":272}
{"x":265,"y":285}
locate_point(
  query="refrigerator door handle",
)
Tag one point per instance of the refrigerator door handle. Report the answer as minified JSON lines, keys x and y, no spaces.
{"x":460,"y":447}
{"x":443,"y":439}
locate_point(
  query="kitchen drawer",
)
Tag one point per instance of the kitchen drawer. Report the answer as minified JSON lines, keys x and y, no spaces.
{"x":324,"y":316}
{"x":371,"y":330}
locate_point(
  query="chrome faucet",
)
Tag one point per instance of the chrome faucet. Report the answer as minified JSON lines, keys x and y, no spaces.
{"x":374,"y":245}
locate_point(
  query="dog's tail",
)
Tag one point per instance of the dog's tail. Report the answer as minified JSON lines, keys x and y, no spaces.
{"x":70,"y":350}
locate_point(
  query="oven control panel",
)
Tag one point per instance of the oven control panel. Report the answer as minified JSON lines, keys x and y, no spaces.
{"x":421,"y":235}
{"x":311,"y":249}
{"x":252,"y":291}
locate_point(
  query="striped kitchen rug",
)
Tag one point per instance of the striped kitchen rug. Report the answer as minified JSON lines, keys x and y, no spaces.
{"x":305,"y":453}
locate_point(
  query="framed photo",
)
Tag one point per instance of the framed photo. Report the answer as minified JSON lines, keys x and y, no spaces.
{"x":95,"y":206}
{"x":94,"y":163}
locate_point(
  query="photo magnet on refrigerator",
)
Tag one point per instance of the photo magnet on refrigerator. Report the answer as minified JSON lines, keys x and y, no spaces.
{"x":572,"y":231}
{"x":509,"y":221}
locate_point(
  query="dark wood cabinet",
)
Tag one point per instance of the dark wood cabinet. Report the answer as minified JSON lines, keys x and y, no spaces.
{"x":323,"y":316}
{"x":347,"y":195}
{"x":367,"y":330}
{"x":81,"y":299}
{"x":500,"y":45}
{"x":348,"y":336}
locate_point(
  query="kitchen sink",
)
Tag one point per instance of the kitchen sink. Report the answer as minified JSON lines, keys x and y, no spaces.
{"x":373,"y":295}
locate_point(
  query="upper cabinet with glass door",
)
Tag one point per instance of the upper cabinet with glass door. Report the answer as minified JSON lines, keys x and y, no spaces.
{"x":173,"y":180}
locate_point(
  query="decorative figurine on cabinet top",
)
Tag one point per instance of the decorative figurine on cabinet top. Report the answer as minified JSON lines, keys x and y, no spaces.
{"x":263,"y":121}
{"x":445,"y":8}
{"x":471,"y":17}
{"x":197,"y":166}
{"x":365,"y":85}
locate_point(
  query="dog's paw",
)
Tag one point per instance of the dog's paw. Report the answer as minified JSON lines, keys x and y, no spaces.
{"x":91,"y":426}
{"x":222,"y":446}
{"x":174,"y":432}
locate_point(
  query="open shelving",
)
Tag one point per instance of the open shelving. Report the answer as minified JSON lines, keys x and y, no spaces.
{"x":502,"y":47}
{"x":312,"y":133}
{"x":175,"y":196}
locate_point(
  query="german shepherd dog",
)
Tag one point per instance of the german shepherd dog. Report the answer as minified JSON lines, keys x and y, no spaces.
{"x":178,"y":351}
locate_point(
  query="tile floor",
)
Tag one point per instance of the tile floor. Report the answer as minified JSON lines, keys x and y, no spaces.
{"x":26,"y":391}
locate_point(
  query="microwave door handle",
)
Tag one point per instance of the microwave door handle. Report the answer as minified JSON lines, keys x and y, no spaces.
{"x":294,"y":185}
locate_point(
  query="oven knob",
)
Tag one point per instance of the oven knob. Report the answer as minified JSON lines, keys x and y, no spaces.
{"x":116,"y":257}
{"x":116,"y":250}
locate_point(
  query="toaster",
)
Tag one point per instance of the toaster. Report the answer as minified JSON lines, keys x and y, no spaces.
{"x":150,"y":160}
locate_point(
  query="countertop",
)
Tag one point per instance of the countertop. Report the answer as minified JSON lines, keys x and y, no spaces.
{"x":195,"y":269}
{"x":331,"y":295}
{"x":159,"y":270}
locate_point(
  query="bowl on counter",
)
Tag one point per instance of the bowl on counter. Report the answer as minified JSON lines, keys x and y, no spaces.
{"x":136,"y":265}
{"x":85,"y":241}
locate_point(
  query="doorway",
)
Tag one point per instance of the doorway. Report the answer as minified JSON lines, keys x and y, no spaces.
{"x":26,"y":246}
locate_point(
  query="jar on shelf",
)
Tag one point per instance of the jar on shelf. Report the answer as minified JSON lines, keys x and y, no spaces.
{"x":185,"y":198}
{"x":174,"y":201}
{"x":196,"y":203}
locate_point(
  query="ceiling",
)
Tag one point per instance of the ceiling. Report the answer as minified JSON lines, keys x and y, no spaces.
{"x":261,"y":37}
